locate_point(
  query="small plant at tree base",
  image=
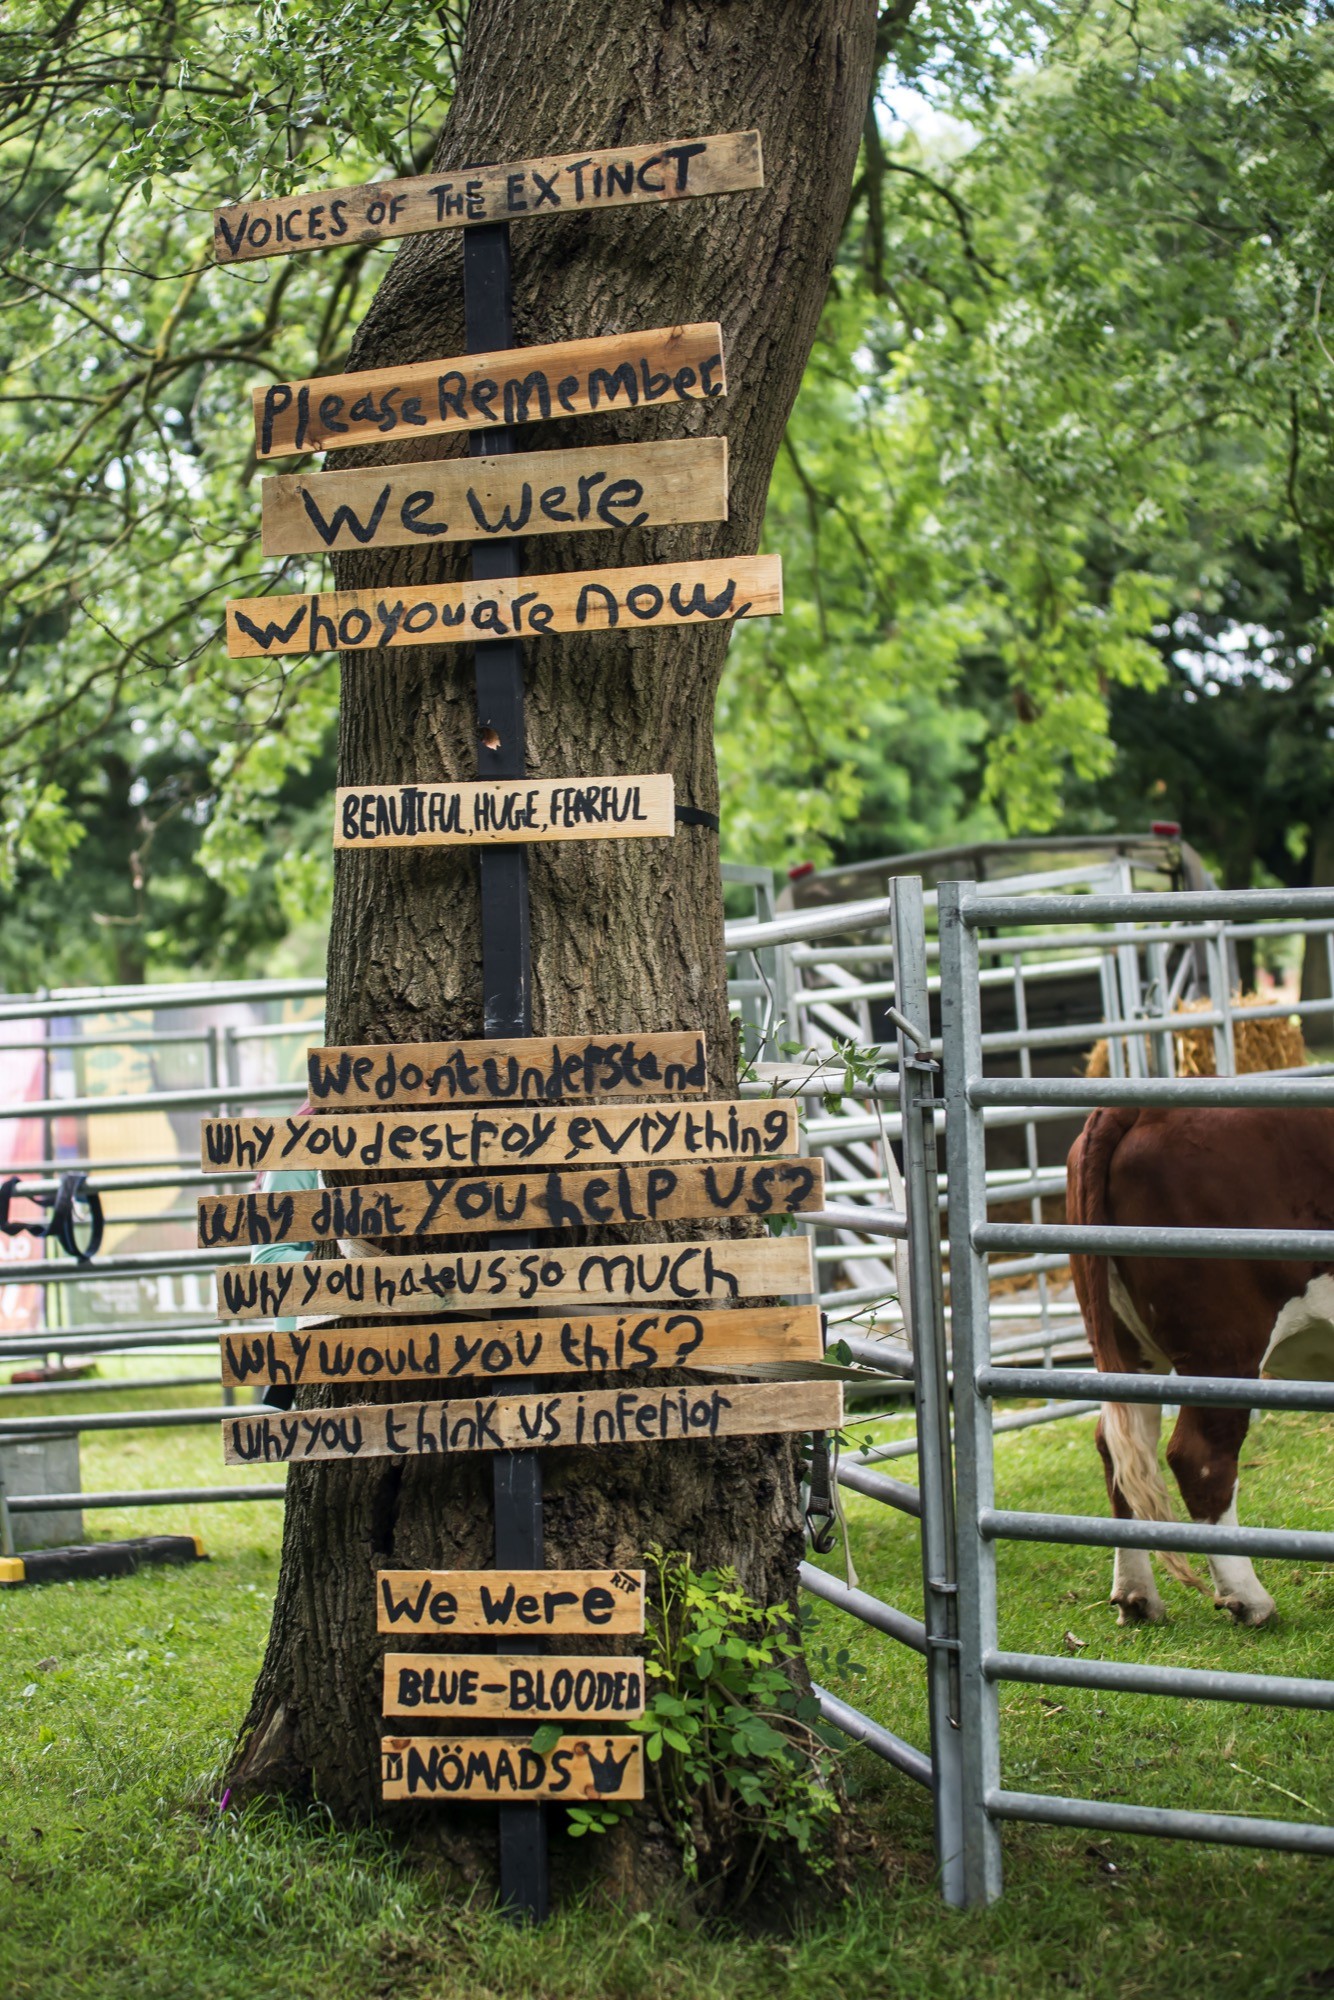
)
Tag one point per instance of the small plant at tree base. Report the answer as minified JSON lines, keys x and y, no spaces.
{"x":741,"y":1768}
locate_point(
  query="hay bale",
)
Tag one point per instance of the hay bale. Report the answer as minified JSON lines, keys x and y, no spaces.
{"x":1260,"y":1045}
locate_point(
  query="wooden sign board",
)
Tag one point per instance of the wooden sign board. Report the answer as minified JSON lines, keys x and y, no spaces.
{"x":443,"y":614}
{"x":510,"y":1136}
{"x":570,"y":1344}
{"x":533,"y":1070}
{"x":584,"y":1274}
{"x":437,"y":500}
{"x":557,"y":1199}
{"x":558,"y":184}
{"x":603,"y":1689}
{"x":494,"y":814}
{"x":521,"y":385}
{"x":528,"y":1423}
{"x":580,"y":1769}
{"x":546,"y":1602}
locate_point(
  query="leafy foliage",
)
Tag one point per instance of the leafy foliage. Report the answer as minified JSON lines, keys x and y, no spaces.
{"x":742,"y":1771}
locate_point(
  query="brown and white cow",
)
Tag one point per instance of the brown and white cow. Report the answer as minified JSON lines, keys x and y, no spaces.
{"x":1196,"y":1169}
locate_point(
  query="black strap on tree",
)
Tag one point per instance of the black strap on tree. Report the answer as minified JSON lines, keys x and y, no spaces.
{"x":696,"y":816}
{"x":72,"y":1192}
{"x":821,"y":1517}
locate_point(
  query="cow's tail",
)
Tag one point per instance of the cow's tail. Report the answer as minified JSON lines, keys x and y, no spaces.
{"x":1134,"y":1459}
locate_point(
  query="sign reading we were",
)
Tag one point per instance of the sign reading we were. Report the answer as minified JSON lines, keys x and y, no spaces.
{"x":490,"y":813}
{"x":560,"y":1198}
{"x":573,"y":1344}
{"x":509,"y":1136}
{"x":441,"y":614}
{"x":529,"y":1423}
{"x":565,"y":378}
{"x":556,"y":1602}
{"x":564,"y":492}
{"x":530,"y":1069}
{"x":581,"y":1275}
{"x":557,"y":184}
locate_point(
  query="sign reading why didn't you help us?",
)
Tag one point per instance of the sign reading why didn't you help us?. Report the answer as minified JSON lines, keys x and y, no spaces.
{"x":441,"y":614}
{"x":558,"y":184}
{"x":492,"y":813}
{"x":567,"y":378}
{"x":530,"y":1423}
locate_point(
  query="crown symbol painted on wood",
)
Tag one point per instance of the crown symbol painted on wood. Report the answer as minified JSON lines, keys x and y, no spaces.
{"x":607,"y":1769}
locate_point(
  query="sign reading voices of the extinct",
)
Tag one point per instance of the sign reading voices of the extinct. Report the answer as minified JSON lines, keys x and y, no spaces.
{"x":723,"y":163}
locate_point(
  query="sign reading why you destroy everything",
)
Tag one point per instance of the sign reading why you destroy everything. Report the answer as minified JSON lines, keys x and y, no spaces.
{"x":435,"y":614}
{"x":674,"y":170}
{"x":573,"y":1344}
{"x":496,"y":1767}
{"x":557,"y":1602}
{"x":529,"y":1423}
{"x":557,"y":1199}
{"x":491,"y":814}
{"x":568,"y":378}
{"x":509,"y":1136}
{"x":490,"y":499}
{"x":530,"y":1070}
{"x":608,"y":1688}
{"x":636,"y":1273}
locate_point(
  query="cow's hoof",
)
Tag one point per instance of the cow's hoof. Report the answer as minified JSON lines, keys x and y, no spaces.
{"x":1139,"y":1607}
{"x":1260,"y":1610}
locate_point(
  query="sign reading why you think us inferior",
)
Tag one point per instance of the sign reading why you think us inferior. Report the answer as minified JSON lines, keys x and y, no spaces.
{"x":567,"y":378}
{"x":437,"y":614}
{"x":528,"y":1423}
{"x":671,"y":170}
{"x":489,"y":813}
{"x":563,"y":492}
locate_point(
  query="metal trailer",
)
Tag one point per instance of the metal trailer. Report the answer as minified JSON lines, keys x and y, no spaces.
{"x":984,"y":1801}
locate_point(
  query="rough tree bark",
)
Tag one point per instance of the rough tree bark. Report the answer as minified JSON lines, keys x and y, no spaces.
{"x":626,"y":935}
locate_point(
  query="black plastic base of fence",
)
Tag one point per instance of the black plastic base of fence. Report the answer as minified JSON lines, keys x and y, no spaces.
{"x":89,"y":1560}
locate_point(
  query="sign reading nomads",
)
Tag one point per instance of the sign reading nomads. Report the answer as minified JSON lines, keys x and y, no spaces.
{"x":578,"y":1769}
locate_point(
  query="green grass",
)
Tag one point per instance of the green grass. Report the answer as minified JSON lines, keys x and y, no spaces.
{"x":120,"y":1879}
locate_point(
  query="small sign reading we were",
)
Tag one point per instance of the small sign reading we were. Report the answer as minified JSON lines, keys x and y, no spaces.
{"x":554,"y":1602}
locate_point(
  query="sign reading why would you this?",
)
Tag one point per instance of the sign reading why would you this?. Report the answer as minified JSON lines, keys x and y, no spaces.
{"x":521,"y":385}
{"x":671,"y":170}
{"x":508,"y":1136}
{"x":557,"y":1199}
{"x":543,"y":1344}
{"x":564,"y":492}
{"x":488,"y":813}
{"x":534,"y":1069}
{"x":578,"y":1769}
{"x":441,"y":614}
{"x":529,"y":1423}
{"x":556,"y":1275}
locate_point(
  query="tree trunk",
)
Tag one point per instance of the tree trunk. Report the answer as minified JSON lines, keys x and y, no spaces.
{"x":626,"y":935}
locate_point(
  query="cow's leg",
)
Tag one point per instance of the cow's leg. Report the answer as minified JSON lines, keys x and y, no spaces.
{"x":1203,"y":1451}
{"x":1127,"y":1437}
